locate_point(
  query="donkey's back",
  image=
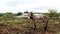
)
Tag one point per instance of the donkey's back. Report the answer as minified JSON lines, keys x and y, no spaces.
{"x":38,"y":16}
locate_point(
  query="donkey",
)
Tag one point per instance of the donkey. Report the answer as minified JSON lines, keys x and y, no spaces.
{"x":38,"y":17}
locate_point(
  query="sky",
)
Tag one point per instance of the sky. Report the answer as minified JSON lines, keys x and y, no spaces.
{"x":15,"y":6}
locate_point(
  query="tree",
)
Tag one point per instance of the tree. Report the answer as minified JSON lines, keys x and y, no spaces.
{"x":26,"y":11}
{"x":19,"y":13}
{"x":53,"y":13}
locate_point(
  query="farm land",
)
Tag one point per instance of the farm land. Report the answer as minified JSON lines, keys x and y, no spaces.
{"x":25,"y":26}
{"x":12,"y":25}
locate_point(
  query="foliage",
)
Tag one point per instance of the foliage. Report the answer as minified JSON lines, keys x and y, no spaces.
{"x":1,"y":14}
{"x":53,"y":13}
{"x":26,"y":11}
{"x":19,"y":13}
{"x":8,"y":15}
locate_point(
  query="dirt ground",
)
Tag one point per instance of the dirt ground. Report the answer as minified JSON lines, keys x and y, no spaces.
{"x":19,"y":29}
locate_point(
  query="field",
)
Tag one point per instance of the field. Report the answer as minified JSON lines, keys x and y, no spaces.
{"x":25,"y":26}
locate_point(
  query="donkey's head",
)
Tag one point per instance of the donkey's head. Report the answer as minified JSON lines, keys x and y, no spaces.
{"x":30,"y":14}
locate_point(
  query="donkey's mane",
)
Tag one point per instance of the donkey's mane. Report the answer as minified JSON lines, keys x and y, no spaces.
{"x":31,"y":17}
{"x":31,"y":13}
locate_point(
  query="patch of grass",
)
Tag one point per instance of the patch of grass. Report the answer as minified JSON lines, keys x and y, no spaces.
{"x":25,"y":25}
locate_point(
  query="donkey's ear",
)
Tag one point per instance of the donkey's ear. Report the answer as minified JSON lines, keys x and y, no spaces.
{"x":27,"y":12}
{"x":30,"y":12}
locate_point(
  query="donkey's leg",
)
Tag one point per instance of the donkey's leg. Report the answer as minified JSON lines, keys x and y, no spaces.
{"x":43,"y":21}
{"x":46,"y":25}
{"x":34,"y":25}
